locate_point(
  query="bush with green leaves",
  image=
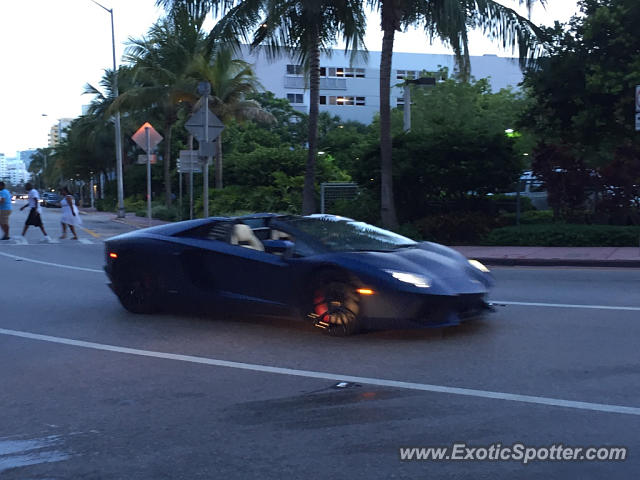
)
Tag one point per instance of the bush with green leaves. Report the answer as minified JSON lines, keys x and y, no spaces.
{"x":462,"y":228}
{"x":530,"y":217}
{"x":560,"y":235}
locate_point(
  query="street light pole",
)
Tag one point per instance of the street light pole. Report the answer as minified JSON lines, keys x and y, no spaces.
{"x":121,"y":212}
{"x":407,"y":98}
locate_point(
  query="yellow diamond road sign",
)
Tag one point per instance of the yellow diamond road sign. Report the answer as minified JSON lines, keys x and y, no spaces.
{"x":140,"y":137}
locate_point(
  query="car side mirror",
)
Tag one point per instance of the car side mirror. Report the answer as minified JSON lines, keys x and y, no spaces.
{"x":283,"y":247}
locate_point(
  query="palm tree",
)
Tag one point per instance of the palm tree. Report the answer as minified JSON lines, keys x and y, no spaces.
{"x":448,"y":20}
{"x":232,"y":80}
{"x":162,"y":64}
{"x":300,"y":28}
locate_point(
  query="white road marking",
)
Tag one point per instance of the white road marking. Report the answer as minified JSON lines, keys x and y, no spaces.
{"x":85,"y":241}
{"x":553,"y":402}
{"x":567,"y":305}
{"x":50,"y":264}
{"x":21,"y":241}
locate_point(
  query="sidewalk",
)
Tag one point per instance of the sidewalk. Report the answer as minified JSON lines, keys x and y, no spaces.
{"x":130,"y":218}
{"x":510,"y":256}
{"x":555,"y":256}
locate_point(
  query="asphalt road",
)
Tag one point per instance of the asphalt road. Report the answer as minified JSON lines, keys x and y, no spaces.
{"x":90,"y":391}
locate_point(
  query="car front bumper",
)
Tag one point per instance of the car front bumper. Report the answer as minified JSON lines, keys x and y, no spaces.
{"x":404,"y":310}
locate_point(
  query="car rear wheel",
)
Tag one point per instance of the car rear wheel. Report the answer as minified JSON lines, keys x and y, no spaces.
{"x":137,"y":290}
{"x":336,"y":308}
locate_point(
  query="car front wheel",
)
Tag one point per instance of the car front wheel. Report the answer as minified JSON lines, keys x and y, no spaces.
{"x":137,"y":290}
{"x":336,"y":308}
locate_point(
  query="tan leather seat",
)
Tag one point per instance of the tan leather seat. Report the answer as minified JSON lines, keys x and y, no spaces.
{"x":244,"y":237}
{"x":278,"y":235}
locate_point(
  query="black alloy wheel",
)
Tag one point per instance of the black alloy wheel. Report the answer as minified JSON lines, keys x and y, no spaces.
{"x":137,"y":291}
{"x":336,"y":308}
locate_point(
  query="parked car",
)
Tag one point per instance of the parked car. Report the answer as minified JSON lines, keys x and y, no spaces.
{"x":50,"y":199}
{"x":533,"y":188}
{"x":338,"y":273}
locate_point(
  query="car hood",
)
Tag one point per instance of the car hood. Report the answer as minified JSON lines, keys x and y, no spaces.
{"x":449,"y":271}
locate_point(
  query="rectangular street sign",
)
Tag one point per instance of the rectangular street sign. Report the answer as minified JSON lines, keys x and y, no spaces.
{"x":207,"y":149}
{"x":189,"y":168}
{"x":189,"y":161}
{"x":142,"y":159}
{"x":637,"y":122}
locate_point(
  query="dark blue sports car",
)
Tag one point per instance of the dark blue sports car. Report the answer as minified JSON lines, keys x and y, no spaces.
{"x":341,"y":274}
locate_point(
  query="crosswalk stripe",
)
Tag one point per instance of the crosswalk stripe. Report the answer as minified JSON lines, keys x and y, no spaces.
{"x":18,"y":241}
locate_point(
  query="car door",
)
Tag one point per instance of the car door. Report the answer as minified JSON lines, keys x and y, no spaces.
{"x":253,"y":278}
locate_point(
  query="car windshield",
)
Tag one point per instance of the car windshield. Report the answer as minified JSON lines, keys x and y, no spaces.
{"x":340,"y":234}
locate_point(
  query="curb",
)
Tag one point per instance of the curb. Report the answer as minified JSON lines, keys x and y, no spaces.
{"x":557,"y":262}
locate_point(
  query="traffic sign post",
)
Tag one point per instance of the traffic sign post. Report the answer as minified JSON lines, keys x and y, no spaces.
{"x":206,"y":127}
{"x":147,"y":138}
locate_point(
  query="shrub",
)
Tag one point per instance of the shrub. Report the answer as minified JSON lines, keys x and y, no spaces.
{"x":134,"y":204}
{"x":559,"y":235}
{"x":531,"y":217}
{"x":161,"y":212}
{"x":460,"y":228}
{"x":508,"y":203}
{"x":107,"y":204}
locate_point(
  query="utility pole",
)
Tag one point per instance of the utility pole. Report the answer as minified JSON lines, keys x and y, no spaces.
{"x":121,"y":212}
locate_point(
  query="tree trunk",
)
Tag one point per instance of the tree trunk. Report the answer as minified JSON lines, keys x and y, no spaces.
{"x":167,"y":164}
{"x":309,"y":191}
{"x":218,"y":163}
{"x":387,"y":206}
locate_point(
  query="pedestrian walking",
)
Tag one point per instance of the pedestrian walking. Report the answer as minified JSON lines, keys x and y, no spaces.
{"x":34,"y":218}
{"x":70,"y":215}
{"x":5,"y":210}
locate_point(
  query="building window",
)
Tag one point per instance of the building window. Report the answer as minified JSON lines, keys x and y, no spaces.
{"x":342,"y":72}
{"x":343,"y":101}
{"x":295,"y":98}
{"x":295,"y":70}
{"x":406,"y":74}
{"x":349,"y":72}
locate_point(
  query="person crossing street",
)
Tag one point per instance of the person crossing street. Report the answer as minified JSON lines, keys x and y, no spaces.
{"x":70,"y":214}
{"x":5,"y":210}
{"x":34,"y":218}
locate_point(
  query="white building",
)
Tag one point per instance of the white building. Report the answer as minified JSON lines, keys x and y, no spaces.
{"x":13,"y":171}
{"x":351,"y":91}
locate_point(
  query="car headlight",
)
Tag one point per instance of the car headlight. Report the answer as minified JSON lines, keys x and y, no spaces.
{"x":479,"y":266}
{"x":412,"y":278}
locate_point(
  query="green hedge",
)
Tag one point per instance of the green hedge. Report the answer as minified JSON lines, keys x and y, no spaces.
{"x":531,"y":217}
{"x":559,"y":235}
{"x":460,"y":228}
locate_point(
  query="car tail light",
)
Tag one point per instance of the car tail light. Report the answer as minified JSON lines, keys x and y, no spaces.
{"x":113,"y":255}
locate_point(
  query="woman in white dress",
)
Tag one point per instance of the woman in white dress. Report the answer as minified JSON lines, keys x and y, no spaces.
{"x":70,"y":215}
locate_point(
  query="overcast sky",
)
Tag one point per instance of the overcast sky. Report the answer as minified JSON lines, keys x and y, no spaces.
{"x":51,"y":49}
